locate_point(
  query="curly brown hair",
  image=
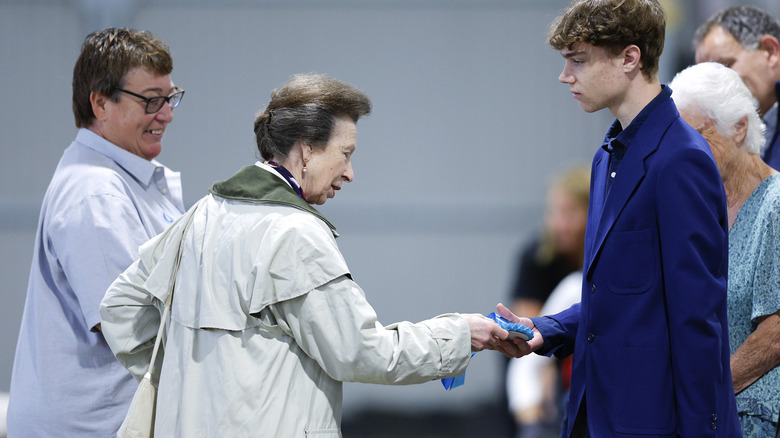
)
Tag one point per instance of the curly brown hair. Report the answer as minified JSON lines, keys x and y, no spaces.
{"x":613,"y":25}
{"x":106,"y":57}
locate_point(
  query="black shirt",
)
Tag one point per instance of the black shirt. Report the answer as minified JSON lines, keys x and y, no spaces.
{"x":536,"y":280}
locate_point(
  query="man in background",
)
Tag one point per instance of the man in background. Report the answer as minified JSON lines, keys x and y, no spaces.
{"x":745,"y":39}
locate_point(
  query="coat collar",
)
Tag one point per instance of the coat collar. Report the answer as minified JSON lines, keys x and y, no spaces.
{"x":605,"y":212}
{"x":258,"y":185}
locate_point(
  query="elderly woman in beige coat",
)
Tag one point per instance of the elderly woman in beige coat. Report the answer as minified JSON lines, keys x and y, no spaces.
{"x":266,"y":322}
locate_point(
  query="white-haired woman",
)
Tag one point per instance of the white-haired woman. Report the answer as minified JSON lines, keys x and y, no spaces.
{"x":714,"y":100}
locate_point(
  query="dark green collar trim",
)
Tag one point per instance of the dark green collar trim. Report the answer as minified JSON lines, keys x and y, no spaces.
{"x":253,"y":184}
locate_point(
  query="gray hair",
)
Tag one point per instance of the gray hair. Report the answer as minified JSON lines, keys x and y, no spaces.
{"x":305,"y":109}
{"x":747,"y":24}
{"x":719,"y":94}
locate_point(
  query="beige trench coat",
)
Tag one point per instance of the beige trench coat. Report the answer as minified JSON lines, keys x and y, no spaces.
{"x":265,"y":325}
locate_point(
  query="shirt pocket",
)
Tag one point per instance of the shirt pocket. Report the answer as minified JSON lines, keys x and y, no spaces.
{"x":632,"y":258}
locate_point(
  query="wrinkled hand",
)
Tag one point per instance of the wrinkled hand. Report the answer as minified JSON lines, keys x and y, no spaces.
{"x":487,"y":335}
{"x":525,"y":347}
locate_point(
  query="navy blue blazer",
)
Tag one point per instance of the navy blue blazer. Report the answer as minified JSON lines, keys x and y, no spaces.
{"x":650,"y":336}
{"x":771,"y":154}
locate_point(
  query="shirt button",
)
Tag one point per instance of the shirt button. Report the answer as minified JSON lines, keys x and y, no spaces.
{"x":591,"y":337}
{"x":158,"y":170}
{"x":164,"y":190}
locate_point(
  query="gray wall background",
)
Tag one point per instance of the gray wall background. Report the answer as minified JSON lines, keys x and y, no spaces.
{"x":470,"y":125}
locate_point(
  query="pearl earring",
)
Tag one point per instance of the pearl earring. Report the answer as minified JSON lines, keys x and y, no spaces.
{"x":304,"y":167}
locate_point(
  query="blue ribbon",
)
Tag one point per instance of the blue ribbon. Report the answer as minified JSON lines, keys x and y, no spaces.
{"x":453,"y":382}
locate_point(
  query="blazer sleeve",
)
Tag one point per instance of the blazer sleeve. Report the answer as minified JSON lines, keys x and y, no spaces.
{"x":559,"y":331}
{"x":693,"y":225}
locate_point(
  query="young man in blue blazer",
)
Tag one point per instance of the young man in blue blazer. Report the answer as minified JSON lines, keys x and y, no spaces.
{"x":649,"y":338}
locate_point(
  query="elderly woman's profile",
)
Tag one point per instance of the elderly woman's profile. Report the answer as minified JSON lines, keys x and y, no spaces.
{"x":266,"y":322}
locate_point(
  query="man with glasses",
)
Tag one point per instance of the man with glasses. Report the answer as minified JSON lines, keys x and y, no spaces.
{"x":108,"y":195}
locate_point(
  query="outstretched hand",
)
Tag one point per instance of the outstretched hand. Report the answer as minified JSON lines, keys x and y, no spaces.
{"x":487,"y":335}
{"x":525,"y":347}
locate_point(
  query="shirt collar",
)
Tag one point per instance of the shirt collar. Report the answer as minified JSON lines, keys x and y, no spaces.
{"x":141,"y":169}
{"x":619,"y":137}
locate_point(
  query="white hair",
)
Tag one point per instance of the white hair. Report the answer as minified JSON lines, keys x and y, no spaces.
{"x":719,"y":94}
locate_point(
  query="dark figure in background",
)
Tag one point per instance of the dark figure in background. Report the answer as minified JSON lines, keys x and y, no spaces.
{"x":558,"y":251}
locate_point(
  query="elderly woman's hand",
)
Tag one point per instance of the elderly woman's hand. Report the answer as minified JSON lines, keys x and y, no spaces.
{"x":487,"y":335}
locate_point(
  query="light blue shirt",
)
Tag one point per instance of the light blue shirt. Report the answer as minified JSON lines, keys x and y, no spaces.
{"x":754,"y":291}
{"x":102,"y":203}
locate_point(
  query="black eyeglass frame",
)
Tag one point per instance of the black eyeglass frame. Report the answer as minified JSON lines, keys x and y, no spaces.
{"x":179,"y":93}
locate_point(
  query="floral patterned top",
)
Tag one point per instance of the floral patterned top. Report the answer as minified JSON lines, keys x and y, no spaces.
{"x":754,"y":287}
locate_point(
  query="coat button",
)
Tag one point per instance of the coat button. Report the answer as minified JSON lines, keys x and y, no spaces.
{"x":591,"y":337}
{"x":593,"y":288}
{"x":714,"y":426}
{"x":714,"y":417}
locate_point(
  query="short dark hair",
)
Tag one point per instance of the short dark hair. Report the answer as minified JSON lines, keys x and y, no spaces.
{"x":747,"y":24}
{"x":613,"y":25}
{"x":305,"y":109}
{"x":106,"y":57}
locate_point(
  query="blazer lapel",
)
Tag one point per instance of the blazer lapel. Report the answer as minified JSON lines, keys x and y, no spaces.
{"x":596,"y":205}
{"x":630,"y":174}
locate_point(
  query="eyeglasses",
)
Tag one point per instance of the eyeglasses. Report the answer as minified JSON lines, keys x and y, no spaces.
{"x":154,"y":104}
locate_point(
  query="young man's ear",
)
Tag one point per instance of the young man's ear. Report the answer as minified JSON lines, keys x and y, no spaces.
{"x":632,"y":58}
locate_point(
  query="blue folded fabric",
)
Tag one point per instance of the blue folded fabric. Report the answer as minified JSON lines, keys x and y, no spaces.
{"x":453,"y":382}
{"x":527,"y":333}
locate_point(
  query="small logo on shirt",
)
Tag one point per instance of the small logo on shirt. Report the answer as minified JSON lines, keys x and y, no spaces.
{"x":167,"y":218}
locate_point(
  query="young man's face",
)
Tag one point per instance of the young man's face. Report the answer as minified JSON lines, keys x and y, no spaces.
{"x":595,"y":77}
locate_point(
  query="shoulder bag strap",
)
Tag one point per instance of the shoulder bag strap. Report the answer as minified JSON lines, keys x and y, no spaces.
{"x":164,"y":318}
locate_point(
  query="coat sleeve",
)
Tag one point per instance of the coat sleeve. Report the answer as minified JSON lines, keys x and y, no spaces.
{"x":132,"y":307}
{"x":692,"y":225}
{"x":130,"y":319}
{"x":335,"y":325}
